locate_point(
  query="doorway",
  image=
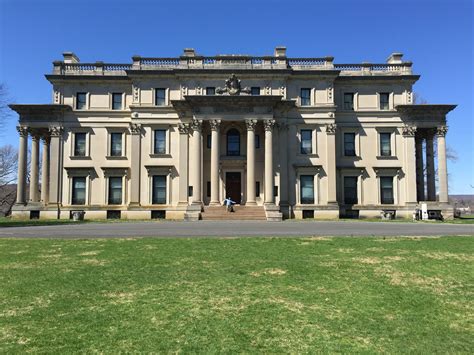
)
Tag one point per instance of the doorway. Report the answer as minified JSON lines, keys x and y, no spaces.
{"x":233,"y":186}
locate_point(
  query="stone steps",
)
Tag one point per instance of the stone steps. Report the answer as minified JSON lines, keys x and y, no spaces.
{"x":248,"y":213}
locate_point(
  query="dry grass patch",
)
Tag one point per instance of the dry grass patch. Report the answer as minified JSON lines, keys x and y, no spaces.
{"x":271,"y":272}
{"x":447,"y":255}
{"x":94,"y":262}
{"x":90,"y":253}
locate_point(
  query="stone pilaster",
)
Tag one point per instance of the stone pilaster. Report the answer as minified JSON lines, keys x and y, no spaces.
{"x":442,"y":164}
{"x":45,"y":170}
{"x":195,"y":161}
{"x":430,"y":168}
{"x":135,"y":164}
{"x":55,"y":158}
{"x":215,"y":162}
{"x":269,"y":178}
{"x":22,"y":165}
{"x":410,"y":163}
{"x":331,"y":162}
{"x":184,"y":130}
{"x":283,"y":150}
{"x":251,"y":197}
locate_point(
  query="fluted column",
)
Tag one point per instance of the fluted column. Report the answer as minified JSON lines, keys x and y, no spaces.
{"x":195,"y":160}
{"x":251,"y":198}
{"x":135,"y":164}
{"x":22,"y":161}
{"x":215,"y":162}
{"x":442,"y":164}
{"x":45,"y":171}
{"x":430,"y":168}
{"x":420,"y":180}
{"x":269,"y":180}
{"x":410,"y":164}
{"x":34,"y":167}
{"x":184,"y":130}
{"x":331,"y":162}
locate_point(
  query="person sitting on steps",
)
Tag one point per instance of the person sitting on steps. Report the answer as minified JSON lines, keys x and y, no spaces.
{"x":229,"y":204}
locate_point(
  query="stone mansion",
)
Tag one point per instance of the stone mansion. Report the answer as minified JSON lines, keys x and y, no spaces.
{"x":282,"y":137}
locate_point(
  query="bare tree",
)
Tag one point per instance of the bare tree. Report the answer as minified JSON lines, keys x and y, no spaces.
{"x":8,"y":168}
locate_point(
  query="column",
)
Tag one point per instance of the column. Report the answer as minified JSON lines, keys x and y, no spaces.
{"x":410,"y":164}
{"x":184,"y":130}
{"x":251,"y":198}
{"x":430,"y":168}
{"x":135,"y":164}
{"x":215,"y":162}
{"x":420,"y":180}
{"x":45,"y":171}
{"x":283,"y":150}
{"x":442,"y":164}
{"x":34,"y":167}
{"x":55,"y":165}
{"x":331,"y":162}
{"x":22,"y":161}
{"x":269,"y":180}
{"x":293,"y":149}
{"x":195,"y":161}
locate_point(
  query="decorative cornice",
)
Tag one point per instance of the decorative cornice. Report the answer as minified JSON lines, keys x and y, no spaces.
{"x":135,"y":128}
{"x":408,"y":131}
{"x":22,"y":130}
{"x":184,"y":128}
{"x":441,"y":131}
{"x":268,"y":124}
{"x":331,"y":128}
{"x":214,"y":124}
{"x":251,"y":124}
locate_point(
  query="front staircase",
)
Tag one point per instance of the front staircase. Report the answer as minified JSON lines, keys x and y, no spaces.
{"x":241,"y":213}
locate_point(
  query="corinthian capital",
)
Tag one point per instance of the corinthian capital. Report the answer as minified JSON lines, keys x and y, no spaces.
{"x":214,"y":124}
{"x":183,"y":128}
{"x":409,"y":131}
{"x":22,"y":130}
{"x":441,"y":131}
{"x":196,"y":125}
{"x":331,"y":128}
{"x":250,"y":124}
{"x":268,"y":124}
{"x":55,"y":131}
{"x":135,"y":128}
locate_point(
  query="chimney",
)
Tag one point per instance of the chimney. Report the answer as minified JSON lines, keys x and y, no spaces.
{"x":280,"y":51}
{"x":70,"y":57}
{"x":395,"y":58}
{"x":189,"y":52}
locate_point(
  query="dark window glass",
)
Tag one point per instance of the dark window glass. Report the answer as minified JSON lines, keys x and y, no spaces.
{"x":78,"y":191}
{"x":210,"y":90}
{"x":115,"y":190}
{"x":116,"y":144}
{"x":255,"y":90}
{"x":233,"y":142}
{"x":349,"y":144}
{"x":257,"y":188}
{"x":81,"y":98}
{"x":160,"y":97}
{"x":159,"y":190}
{"x":275,"y":191}
{"x":307,"y":189}
{"x":209,"y":141}
{"x":305,"y":97}
{"x":384,"y":97}
{"x":80,"y":144}
{"x":349,"y":101}
{"x":385,"y":145}
{"x":386,"y":190}
{"x":208,"y":189}
{"x":257,"y":141}
{"x":306,"y":141}
{"x":116,"y":101}
{"x":350,"y":190}
{"x":160,"y":141}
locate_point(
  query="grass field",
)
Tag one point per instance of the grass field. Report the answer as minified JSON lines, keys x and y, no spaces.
{"x":237,"y":295}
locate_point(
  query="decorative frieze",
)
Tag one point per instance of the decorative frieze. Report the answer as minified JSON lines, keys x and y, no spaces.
{"x":331,"y":128}
{"x":408,"y":131}
{"x":441,"y":131}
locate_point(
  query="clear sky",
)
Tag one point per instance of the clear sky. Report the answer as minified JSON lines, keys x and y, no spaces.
{"x":436,"y":35}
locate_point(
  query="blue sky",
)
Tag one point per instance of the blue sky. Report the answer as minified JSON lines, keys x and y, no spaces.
{"x":436,"y":35}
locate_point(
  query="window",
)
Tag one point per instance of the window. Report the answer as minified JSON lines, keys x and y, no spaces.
{"x":349,"y":101}
{"x":116,"y":144}
{"x":385,"y":144}
{"x":233,"y":142}
{"x":307,"y":189}
{"x":384,"y":97}
{"x":350,"y":190}
{"x":255,"y":90}
{"x":116,"y":101}
{"x":208,"y":189}
{"x":306,"y":141}
{"x":159,"y":190}
{"x":115,"y":190}
{"x":257,"y":188}
{"x":349,"y":144}
{"x":160,"y":97}
{"x":257,"y":141}
{"x":160,"y":141}
{"x":210,"y":90}
{"x":80,"y":144}
{"x":386,"y":190}
{"x":78,"y":191}
{"x":81,"y":101}
{"x":305,"y":97}
{"x":209,"y":141}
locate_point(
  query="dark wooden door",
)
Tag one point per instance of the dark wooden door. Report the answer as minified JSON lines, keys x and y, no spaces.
{"x":233,"y":186}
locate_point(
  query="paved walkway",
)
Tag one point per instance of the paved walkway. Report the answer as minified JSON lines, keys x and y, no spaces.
{"x":238,"y":228}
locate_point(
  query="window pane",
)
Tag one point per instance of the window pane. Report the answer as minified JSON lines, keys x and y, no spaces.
{"x":78,"y":190}
{"x":348,"y":101}
{"x":306,"y":141}
{"x":159,"y":189}
{"x":233,"y":142}
{"x":116,"y":101}
{"x":385,"y":146}
{"x":115,"y":190}
{"x":384,"y":98}
{"x":116,"y":144}
{"x":305,"y":97}
{"x":160,"y":141}
{"x":307,"y":189}
{"x":255,"y":90}
{"x":80,"y":100}
{"x":210,"y":91}
{"x":209,"y":141}
{"x":386,"y":190}
{"x":350,"y":190}
{"x":80,"y":144}
{"x":349,"y":144}
{"x":160,"y":97}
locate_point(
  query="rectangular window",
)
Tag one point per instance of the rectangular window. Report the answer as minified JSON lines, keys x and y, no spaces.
{"x":160,"y":141}
{"x":349,"y":145}
{"x":385,"y":144}
{"x":306,"y":141}
{"x":386,"y":190}
{"x":115,"y":190}
{"x":275,"y":191}
{"x":115,"y":144}
{"x":160,"y":97}
{"x":210,"y":90}
{"x":255,"y":90}
{"x":159,"y":190}
{"x":80,"y":144}
{"x":257,"y":188}
{"x":384,"y":97}
{"x":116,"y":101}
{"x":350,"y":190}
{"x":78,"y":191}
{"x":307,"y":189}
{"x":349,"y":101}
{"x":305,"y":97}
{"x":81,"y":101}
{"x":208,"y":189}
{"x":257,"y":141}
{"x":209,"y":141}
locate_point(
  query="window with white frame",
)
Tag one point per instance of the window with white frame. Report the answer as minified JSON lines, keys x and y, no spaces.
{"x":117,"y":101}
{"x":385,"y":144}
{"x":81,"y":101}
{"x":306,"y":146}
{"x":160,"y":97}
{"x":349,"y":101}
{"x":307,"y":189}
{"x":386,"y":190}
{"x":158,"y":189}
{"x":384,"y":98}
{"x":78,"y":190}
{"x":115,"y":190}
{"x":159,"y":144}
{"x":349,"y":144}
{"x":305,"y":96}
{"x":116,"y":144}
{"x":80,"y":144}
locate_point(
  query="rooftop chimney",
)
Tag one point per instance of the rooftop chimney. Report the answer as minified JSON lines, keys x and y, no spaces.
{"x":395,"y":58}
{"x":70,"y":57}
{"x":189,"y":52}
{"x":280,"y":51}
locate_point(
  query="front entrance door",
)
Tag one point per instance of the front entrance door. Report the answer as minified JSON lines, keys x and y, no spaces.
{"x":233,"y":186}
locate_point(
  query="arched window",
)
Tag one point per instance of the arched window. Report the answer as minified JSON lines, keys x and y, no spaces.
{"x":233,"y":142}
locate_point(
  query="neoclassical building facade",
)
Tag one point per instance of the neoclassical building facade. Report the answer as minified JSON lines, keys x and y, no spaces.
{"x":282,"y":137}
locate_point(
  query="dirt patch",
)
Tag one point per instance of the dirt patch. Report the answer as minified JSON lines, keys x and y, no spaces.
{"x":272,"y":272}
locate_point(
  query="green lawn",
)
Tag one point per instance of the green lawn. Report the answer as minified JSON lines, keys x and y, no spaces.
{"x":299,"y":295}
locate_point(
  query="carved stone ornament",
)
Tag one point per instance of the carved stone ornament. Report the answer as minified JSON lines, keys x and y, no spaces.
{"x":135,"y":128}
{"x":214,"y":124}
{"x":183,"y":128}
{"x":250,"y":124}
{"x":136,"y":94}
{"x":268,"y":124}
{"x":232,"y":87}
{"x":55,"y":131}
{"x":441,"y":131}
{"x":196,"y":125}
{"x":331,"y":128}
{"x":22,"y":130}
{"x":409,"y":131}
